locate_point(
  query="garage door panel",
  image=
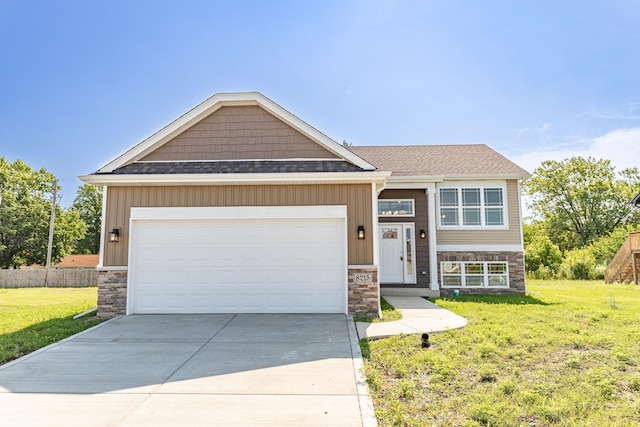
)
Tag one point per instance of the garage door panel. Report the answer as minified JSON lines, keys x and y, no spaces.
{"x":222,"y":266}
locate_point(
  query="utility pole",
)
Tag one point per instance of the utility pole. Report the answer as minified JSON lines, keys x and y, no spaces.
{"x":50,"y":246}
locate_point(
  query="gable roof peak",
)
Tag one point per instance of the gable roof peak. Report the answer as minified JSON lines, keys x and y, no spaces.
{"x":214,"y":103}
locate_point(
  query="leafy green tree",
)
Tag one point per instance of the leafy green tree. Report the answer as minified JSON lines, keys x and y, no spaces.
{"x":25,"y":209}
{"x":606,"y":247}
{"x":542,"y":252}
{"x":580,"y":200}
{"x":88,"y":205}
{"x":579,"y":264}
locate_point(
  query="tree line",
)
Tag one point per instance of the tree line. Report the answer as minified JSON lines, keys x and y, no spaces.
{"x":581,"y":215}
{"x":26,"y":196}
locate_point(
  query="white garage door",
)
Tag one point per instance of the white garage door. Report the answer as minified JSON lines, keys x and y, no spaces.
{"x":238,"y":266}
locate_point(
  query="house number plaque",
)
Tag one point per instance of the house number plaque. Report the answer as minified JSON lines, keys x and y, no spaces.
{"x":362,"y":277}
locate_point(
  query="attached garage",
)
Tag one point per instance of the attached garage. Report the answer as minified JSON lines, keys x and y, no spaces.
{"x":238,"y":260}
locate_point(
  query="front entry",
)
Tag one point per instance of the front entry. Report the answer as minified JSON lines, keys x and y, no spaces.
{"x":397,"y":253}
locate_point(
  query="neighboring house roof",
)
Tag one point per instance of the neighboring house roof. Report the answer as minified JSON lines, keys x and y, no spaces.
{"x":78,"y":261}
{"x":636,"y":200}
{"x":444,"y":161}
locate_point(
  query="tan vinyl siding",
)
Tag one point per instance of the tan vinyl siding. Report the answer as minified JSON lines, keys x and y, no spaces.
{"x":357,"y":198}
{"x":511,"y":236}
{"x":239,"y":133}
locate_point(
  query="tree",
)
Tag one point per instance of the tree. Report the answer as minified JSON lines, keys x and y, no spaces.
{"x":580,"y":200}
{"x":88,"y":205}
{"x":25,"y":209}
{"x":542,"y":252}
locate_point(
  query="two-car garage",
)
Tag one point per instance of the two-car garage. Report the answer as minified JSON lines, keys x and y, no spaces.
{"x":238,"y":260}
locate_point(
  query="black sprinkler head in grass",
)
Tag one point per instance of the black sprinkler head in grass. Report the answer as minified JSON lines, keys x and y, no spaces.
{"x":425,"y":341}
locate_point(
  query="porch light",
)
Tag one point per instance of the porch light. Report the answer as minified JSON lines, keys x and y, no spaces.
{"x":423,"y":234}
{"x":114,"y":235}
{"x":361,"y":232}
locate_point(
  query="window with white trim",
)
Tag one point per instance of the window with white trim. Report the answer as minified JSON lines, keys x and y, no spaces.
{"x":393,"y":207}
{"x":472,"y":207}
{"x":474,"y":274}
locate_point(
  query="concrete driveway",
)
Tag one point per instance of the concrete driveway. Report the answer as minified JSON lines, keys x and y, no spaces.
{"x":246,"y":369}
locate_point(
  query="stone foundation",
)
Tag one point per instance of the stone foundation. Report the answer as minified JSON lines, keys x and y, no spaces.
{"x":515,"y":262}
{"x":363,"y":291}
{"x":112,"y":293}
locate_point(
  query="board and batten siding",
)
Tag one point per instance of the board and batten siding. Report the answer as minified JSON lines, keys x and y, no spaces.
{"x":510,"y":236}
{"x":357,"y":198}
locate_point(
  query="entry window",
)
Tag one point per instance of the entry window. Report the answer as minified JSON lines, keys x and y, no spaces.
{"x":472,"y":207}
{"x":409,"y":252}
{"x":396,"y":207}
{"x":389,"y":233}
{"x":474,"y":274}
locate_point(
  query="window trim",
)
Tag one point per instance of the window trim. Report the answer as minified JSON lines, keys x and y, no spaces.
{"x":481,"y":186}
{"x":413,"y":208}
{"x":463,"y":275}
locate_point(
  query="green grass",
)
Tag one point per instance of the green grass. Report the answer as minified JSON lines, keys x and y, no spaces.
{"x":568,"y":354}
{"x":32,"y":318}
{"x":389,"y":314}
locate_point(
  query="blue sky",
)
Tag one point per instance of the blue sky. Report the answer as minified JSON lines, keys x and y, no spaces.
{"x":83,"y":81}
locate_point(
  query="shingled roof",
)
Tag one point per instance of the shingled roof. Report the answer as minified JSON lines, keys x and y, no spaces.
{"x":226,"y":167}
{"x":473,"y":160}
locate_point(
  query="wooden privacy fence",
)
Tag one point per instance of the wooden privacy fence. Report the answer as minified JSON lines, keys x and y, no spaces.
{"x":58,"y":278}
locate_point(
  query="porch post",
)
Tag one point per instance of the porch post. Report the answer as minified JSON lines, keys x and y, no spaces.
{"x":431,"y":226}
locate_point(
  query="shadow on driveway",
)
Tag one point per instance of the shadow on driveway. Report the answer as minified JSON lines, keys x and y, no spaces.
{"x":287,"y":363}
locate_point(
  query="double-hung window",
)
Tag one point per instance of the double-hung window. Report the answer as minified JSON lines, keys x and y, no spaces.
{"x":472,"y":207}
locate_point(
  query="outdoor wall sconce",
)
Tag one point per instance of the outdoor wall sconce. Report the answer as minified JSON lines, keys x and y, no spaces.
{"x":361,"y":232}
{"x":114,"y":235}
{"x":423,"y":234}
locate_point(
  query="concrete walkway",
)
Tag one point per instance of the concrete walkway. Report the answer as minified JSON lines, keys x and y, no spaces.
{"x":418,"y":315}
{"x":229,"y":370}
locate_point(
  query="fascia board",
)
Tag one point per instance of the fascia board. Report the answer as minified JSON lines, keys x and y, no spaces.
{"x":439,"y":178}
{"x":484,"y":177}
{"x":222,"y":179}
{"x":226,"y":99}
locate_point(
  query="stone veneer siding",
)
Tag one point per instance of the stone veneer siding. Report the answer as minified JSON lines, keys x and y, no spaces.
{"x":364,"y":295}
{"x":515,"y":262}
{"x":112,"y":293}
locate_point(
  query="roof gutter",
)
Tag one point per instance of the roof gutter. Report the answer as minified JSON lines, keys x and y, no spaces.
{"x":237,"y":178}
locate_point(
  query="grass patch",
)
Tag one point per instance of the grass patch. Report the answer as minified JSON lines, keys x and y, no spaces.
{"x":568,"y":355}
{"x":389,"y":314}
{"x":32,"y":318}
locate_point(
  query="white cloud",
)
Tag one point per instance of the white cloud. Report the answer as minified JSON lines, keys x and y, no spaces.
{"x":621,"y":146}
{"x":539,"y":130}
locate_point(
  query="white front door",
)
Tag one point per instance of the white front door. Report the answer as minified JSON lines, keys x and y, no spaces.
{"x":397,"y":253}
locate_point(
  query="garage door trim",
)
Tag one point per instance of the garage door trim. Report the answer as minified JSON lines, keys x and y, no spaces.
{"x":234,"y":213}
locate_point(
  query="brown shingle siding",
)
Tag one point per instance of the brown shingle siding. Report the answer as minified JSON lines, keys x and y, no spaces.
{"x":236,"y":133}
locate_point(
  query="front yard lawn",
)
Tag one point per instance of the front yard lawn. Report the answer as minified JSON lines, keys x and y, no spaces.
{"x":567,"y":354}
{"x":31,"y":318}
{"x":389,"y":314}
